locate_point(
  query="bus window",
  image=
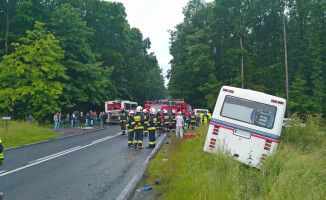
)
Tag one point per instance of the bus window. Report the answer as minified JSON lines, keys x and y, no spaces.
{"x":251,"y":112}
{"x":127,"y":106}
{"x":133,"y":106}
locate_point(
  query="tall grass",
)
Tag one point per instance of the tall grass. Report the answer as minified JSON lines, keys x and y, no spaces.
{"x":20,"y":133}
{"x":296,"y":171}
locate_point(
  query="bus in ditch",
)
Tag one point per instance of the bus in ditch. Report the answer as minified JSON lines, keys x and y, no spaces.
{"x":113,"y":109}
{"x":245,"y":123}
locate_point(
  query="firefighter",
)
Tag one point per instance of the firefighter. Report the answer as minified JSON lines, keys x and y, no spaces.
{"x":158,"y":122}
{"x":201,"y":118}
{"x":123,"y":120}
{"x":166,"y":120}
{"x":192,"y":120}
{"x":130,"y":125}
{"x":197,"y":119}
{"x":139,"y":128}
{"x":205,"y":119}
{"x":151,"y":128}
{"x":1,"y":162}
{"x":209,"y":117}
{"x":146,"y":119}
{"x":173,"y":120}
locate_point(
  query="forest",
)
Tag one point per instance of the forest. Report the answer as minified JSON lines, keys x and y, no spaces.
{"x":60,"y":55}
{"x":242,"y":43}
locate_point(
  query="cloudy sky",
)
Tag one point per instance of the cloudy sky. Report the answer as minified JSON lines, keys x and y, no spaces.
{"x":154,"y":18}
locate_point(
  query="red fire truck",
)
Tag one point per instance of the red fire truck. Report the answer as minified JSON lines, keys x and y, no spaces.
{"x":169,"y":105}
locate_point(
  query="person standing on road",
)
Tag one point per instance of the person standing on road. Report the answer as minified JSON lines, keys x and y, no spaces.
{"x":151,"y":128}
{"x":1,"y":163}
{"x":123,"y":120}
{"x":179,"y":125}
{"x":139,"y":128}
{"x":173,"y":120}
{"x":56,"y":122}
{"x":158,"y":122}
{"x":146,"y":119}
{"x":95,"y":118}
{"x":72,"y":119}
{"x":130,"y":125}
{"x":61,"y":120}
{"x":166,"y":121}
{"x":68,"y":120}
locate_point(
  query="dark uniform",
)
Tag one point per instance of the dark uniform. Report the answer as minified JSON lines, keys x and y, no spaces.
{"x":158,"y":122}
{"x":166,"y":121}
{"x":146,"y":119}
{"x":139,"y":129}
{"x":1,"y":162}
{"x":192,"y":121}
{"x":123,"y":120}
{"x":130,"y":125}
{"x":151,"y":128}
{"x":173,"y":121}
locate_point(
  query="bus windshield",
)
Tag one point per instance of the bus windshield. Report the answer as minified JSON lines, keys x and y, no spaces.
{"x":251,"y":112}
{"x":114,"y":106}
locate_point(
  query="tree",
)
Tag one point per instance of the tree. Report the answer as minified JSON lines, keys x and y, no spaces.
{"x":31,"y":76}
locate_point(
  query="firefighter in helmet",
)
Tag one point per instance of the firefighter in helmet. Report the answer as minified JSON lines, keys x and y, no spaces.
{"x":151,"y":128}
{"x":158,"y":122}
{"x":146,"y":119}
{"x":192,"y":120}
{"x":173,"y":120}
{"x":1,"y":162}
{"x":166,"y":120}
{"x":123,"y":120}
{"x":139,"y":128}
{"x":130,"y":124}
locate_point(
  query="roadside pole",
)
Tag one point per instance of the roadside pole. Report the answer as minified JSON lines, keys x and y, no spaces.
{"x":6,"y":118}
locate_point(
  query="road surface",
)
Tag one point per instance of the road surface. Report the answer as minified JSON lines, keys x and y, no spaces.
{"x":96,"y":165}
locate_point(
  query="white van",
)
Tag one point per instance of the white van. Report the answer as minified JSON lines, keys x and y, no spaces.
{"x":245,"y":123}
{"x":112,"y":108}
{"x":203,"y":111}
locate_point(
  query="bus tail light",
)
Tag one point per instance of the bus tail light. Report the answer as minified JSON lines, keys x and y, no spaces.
{"x":267,"y":145}
{"x":226,"y":90}
{"x":266,"y":148}
{"x":268,"y":141}
{"x":213,"y":140}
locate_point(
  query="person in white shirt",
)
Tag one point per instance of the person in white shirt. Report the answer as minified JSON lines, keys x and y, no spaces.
{"x":179,"y":125}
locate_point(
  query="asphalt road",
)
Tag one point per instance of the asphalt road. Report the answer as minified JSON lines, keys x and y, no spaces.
{"x":96,"y":165}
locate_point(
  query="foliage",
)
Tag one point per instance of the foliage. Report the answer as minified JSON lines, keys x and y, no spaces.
{"x":207,"y":44}
{"x":105,"y":59}
{"x":293,"y":170}
{"x":31,"y":76}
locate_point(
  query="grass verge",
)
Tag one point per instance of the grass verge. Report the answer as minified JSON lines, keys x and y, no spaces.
{"x":20,"y":133}
{"x":296,"y":171}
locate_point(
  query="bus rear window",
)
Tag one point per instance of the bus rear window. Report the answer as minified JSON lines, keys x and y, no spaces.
{"x":114,"y":106}
{"x":251,"y":112}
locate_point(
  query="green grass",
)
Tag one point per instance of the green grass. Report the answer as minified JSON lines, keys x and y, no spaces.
{"x":296,"y":171}
{"x":20,"y":133}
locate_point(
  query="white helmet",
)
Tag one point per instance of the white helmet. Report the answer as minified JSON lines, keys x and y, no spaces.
{"x":144,"y":111}
{"x":159,"y":110}
{"x":131,"y":112}
{"x":139,"y":109}
{"x":179,"y":112}
{"x":152,"y":110}
{"x":165,"y":111}
{"x":173,"y":111}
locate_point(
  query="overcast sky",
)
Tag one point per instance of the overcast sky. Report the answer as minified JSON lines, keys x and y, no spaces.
{"x":154,"y":18}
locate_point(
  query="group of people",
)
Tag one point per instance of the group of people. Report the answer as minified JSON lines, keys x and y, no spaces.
{"x":76,"y":119}
{"x":141,"y":124}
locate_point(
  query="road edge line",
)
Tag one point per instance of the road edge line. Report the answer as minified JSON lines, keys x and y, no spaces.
{"x":130,"y":187}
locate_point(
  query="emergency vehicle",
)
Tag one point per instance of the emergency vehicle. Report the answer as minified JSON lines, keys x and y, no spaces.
{"x":245,"y":123}
{"x":169,"y":105}
{"x":113,"y":109}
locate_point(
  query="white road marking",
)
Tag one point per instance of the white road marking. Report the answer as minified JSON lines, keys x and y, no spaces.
{"x":2,"y":171}
{"x":137,"y":175}
{"x":50,"y":157}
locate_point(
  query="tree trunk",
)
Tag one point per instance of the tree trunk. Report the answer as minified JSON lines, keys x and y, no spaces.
{"x":242,"y":70}
{"x":7,"y":29}
{"x":286,"y":69}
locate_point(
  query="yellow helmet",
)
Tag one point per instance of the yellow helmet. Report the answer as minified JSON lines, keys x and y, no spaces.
{"x":152,"y":110}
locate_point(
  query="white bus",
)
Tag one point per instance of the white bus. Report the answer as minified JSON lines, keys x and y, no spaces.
{"x":245,"y":123}
{"x":112,"y":108}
